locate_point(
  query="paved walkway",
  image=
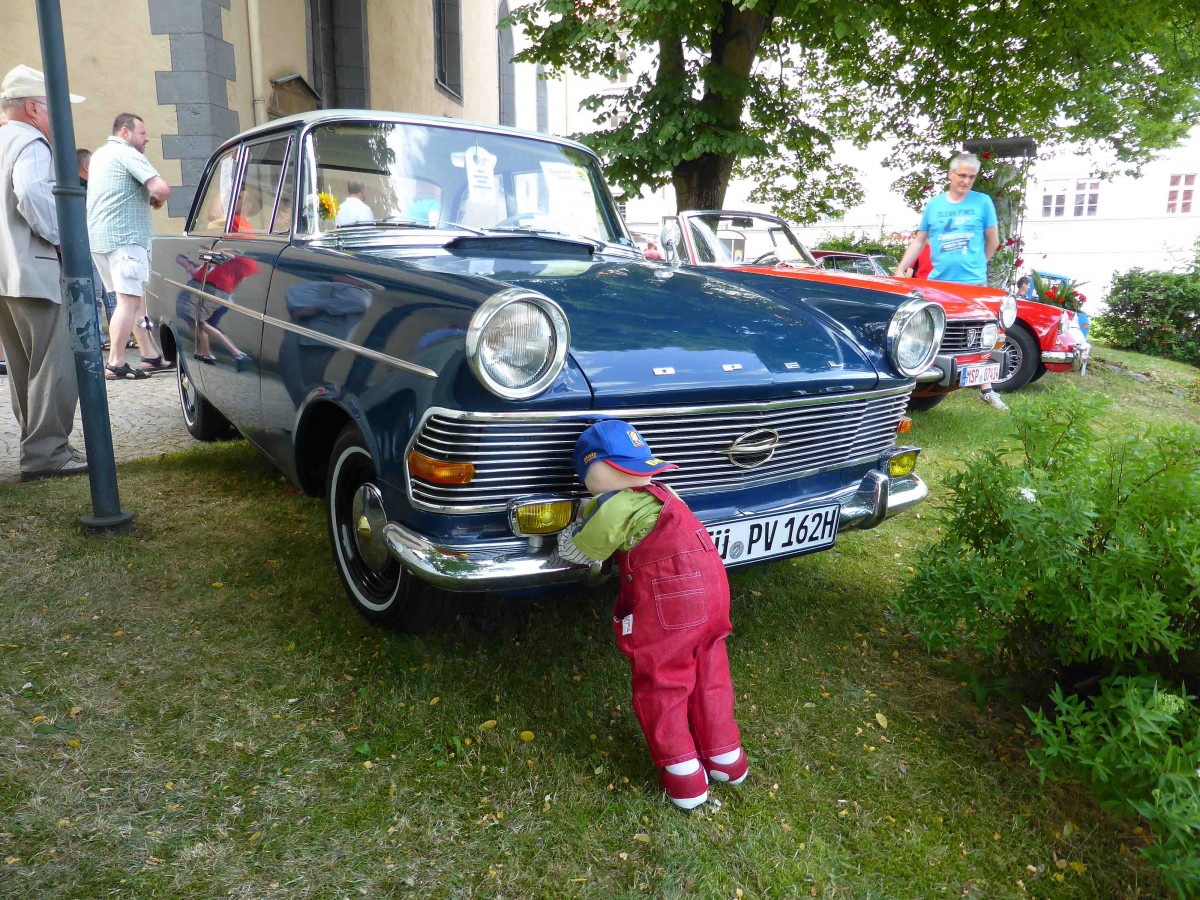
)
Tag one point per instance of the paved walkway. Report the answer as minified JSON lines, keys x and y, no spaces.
{"x":145,"y":421}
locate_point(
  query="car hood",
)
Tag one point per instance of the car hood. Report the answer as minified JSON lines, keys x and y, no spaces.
{"x":650,"y":334}
{"x":960,"y":301}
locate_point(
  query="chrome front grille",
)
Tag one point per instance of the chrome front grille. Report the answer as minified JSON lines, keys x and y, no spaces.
{"x":964,"y":335}
{"x":517,"y":454}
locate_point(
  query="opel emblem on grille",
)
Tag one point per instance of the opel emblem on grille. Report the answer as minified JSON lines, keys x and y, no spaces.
{"x":753,"y":448}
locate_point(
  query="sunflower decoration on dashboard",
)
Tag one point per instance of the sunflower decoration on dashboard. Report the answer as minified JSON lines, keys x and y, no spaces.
{"x":327,"y":205}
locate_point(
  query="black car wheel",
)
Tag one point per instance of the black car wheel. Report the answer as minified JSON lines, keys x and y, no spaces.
{"x":929,"y":401}
{"x":1022,"y":356}
{"x":203,"y":421}
{"x":378,"y":586}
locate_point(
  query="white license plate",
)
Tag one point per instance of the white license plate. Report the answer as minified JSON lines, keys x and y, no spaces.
{"x":973,"y":376}
{"x":766,"y":537}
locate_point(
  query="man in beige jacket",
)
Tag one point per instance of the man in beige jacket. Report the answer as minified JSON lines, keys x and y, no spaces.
{"x":33,"y":321}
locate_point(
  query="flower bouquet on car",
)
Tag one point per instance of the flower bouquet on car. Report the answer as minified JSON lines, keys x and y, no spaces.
{"x":1059,"y":293}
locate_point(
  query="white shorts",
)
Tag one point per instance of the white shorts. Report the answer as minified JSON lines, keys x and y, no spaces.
{"x":124,"y":270}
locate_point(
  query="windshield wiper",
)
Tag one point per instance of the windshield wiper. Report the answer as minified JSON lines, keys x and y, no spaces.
{"x":400,"y":222}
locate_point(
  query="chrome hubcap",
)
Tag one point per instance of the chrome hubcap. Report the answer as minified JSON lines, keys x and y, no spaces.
{"x":368,"y":518}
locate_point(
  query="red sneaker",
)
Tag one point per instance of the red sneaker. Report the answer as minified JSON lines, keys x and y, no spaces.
{"x":685,"y":791}
{"x":730,"y":773}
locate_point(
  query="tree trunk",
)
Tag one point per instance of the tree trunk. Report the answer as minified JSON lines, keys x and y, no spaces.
{"x":700,"y":183}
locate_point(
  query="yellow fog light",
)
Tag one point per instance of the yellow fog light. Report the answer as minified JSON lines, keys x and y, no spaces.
{"x":540,"y":515}
{"x":902,"y":462}
{"x":439,"y":471}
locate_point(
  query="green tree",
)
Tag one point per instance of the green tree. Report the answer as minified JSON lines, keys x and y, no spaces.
{"x":764,"y":88}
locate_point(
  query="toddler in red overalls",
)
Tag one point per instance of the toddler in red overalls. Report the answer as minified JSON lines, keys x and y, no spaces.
{"x":671,"y":617}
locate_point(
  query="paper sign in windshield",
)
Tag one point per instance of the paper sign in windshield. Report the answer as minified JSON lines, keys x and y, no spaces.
{"x":481,"y":176}
{"x":571,"y":197}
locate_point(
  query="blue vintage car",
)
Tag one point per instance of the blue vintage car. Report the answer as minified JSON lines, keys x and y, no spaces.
{"x":415,"y":318}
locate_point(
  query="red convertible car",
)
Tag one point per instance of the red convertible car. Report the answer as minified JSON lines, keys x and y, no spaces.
{"x":765,"y":244}
{"x":1044,"y":338}
{"x":1041,"y":340}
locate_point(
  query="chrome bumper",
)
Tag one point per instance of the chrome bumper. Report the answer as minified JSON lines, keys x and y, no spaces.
{"x":1077,"y":358}
{"x":516,"y":564}
{"x":944,"y":370}
{"x":935,"y":374}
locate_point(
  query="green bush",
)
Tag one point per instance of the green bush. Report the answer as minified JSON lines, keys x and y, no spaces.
{"x":1081,"y":559}
{"x":1137,"y":747}
{"x":1074,"y":558}
{"x":861,"y":242}
{"x":1156,"y":313}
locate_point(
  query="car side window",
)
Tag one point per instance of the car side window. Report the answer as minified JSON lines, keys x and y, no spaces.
{"x":254,"y":207}
{"x":212,"y":214}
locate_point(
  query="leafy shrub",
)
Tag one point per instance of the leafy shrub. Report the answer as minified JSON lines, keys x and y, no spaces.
{"x":1082,"y":559}
{"x":1156,"y":313}
{"x":1075,"y":558}
{"x":860,"y":242}
{"x":1137,"y":747}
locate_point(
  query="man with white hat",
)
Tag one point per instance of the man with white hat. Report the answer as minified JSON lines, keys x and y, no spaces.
{"x":33,"y":321}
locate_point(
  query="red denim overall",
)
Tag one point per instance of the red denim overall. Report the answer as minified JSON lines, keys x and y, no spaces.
{"x":671,"y":619}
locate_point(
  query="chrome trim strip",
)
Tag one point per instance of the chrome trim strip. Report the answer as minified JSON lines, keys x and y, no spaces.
{"x":671,"y":411}
{"x":512,"y":565}
{"x":309,"y":333}
{"x":221,"y":301}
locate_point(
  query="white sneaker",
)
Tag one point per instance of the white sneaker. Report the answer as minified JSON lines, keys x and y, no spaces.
{"x":992,"y":399}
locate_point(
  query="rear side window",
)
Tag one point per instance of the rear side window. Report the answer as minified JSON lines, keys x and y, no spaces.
{"x":254,"y":207}
{"x":212,"y":215}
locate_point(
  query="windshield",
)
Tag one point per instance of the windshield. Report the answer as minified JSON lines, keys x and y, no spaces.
{"x":730,"y":240}
{"x":385,"y":174}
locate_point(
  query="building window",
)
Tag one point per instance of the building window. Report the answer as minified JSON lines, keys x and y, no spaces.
{"x":1087,"y":197}
{"x":1054,"y":201}
{"x":447,"y":46}
{"x":1179,"y":196}
{"x":337,"y":43}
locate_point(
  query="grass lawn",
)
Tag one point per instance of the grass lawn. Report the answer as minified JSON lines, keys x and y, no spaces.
{"x":195,"y":710}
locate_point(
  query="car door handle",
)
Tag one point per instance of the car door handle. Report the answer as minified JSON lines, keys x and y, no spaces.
{"x":215,"y":256}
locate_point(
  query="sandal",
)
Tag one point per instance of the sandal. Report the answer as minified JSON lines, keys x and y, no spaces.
{"x":124,"y":372}
{"x":156,"y":364}
{"x":207,"y":358}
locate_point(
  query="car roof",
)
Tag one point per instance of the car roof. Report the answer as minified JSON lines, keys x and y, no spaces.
{"x":321,"y":116}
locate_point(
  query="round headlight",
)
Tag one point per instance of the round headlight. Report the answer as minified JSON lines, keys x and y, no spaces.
{"x":517,"y":343}
{"x":1008,"y":311}
{"x":914,"y":335}
{"x":989,"y":336}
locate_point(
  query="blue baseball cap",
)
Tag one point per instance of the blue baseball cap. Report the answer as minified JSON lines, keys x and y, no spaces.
{"x":621,"y":446}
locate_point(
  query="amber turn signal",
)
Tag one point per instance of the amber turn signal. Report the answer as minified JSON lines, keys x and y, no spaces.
{"x":438,"y":471}
{"x":541,"y":517}
{"x":904,"y":426}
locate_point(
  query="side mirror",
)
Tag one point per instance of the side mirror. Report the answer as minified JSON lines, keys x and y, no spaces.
{"x":671,"y":240}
